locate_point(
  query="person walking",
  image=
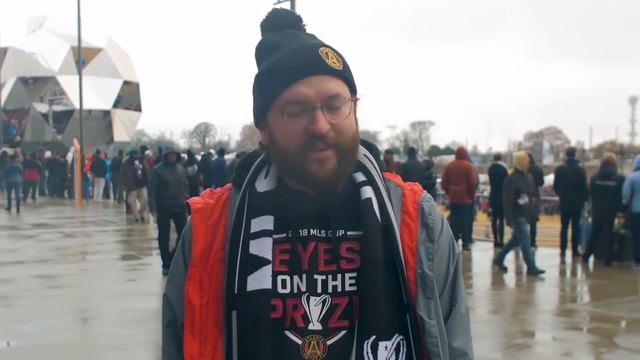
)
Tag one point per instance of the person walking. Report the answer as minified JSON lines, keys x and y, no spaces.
{"x":42,"y":156}
{"x":32,"y":173}
{"x":570,"y":184}
{"x":149,"y":159}
{"x":60,"y":171}
{"x":631,"y":198}
{"x":459,"y":182}
{"x":205,"y":168}
{"x":537,"y":174}
{"x":219,"y":169}
{"x":497,"y":173}
{"x":412,"y":170}
{"x":13,"y":174}
{"x":430,"y":178}
{"x":518,"y":190}
{"x":168,"y":192}
{"x":605,"y":190}
{"x":313,"y":253}
{"x":231,"y":168}
{"x":4,"y":161}
{"x":99,"y":171}
{"x":191,"y":165}
{"x":116,"y":179}
{"x":158,"y":159}
{"x":135,"y":179}
{"x":390,"y":164}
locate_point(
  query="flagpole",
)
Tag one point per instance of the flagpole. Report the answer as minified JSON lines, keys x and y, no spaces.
{"x":79,"y":157}
{"x":292,"y":4}
{"x":80,"y":66}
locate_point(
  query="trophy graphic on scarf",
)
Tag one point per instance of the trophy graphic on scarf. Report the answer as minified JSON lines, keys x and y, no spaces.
{"x":316,"y":307}
{"x":394,"y":349}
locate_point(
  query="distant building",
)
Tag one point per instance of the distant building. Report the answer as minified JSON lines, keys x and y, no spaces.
{"x":40,"y":97}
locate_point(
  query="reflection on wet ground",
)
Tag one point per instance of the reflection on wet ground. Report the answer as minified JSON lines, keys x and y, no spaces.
{"x":574,"y":311}
{"x":83,"y":284}
{"x":78,"y":284}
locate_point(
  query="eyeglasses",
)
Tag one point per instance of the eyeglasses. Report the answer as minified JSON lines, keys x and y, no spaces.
{"x":334,"y":109}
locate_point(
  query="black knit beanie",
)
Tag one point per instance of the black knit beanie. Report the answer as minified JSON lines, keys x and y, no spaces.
{"x":287,"y":53}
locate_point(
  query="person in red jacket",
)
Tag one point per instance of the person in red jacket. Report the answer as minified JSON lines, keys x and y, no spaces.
{"x":313,"y":253}
{"x":32,"y":171}
{"x":459,"y":182}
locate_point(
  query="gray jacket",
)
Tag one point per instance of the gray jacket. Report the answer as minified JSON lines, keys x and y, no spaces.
{"x":441,"y":305}
{"x":168,"y":188}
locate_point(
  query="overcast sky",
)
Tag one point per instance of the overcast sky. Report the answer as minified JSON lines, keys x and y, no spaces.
{"x":484,"y":71}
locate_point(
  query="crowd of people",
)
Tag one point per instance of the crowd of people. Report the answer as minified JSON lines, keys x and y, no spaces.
{"x":145,"y":184}
{"x":604,"y":209}
{"x":40,"y":173}
{"x":131,"y":178}
{"x":590,"y":207}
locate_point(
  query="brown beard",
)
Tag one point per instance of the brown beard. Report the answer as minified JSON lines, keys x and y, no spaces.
{"x":291,"y":164}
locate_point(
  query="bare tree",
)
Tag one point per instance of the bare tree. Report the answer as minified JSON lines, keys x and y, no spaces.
{"x":554,"y":137}
{"x":249,"y":138}
{"x":140,"y":137}
{"x":370,"y":135}
{"x":153,"y":141}
{"x":420,"y":135}
{"x":202,"y":136}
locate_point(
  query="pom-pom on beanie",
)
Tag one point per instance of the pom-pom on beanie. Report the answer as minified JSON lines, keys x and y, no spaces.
{"x":286,"y":54}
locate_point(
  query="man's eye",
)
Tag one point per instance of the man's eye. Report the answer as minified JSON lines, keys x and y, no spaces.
{"x":335,"y":105}
{"x":296,"y":110}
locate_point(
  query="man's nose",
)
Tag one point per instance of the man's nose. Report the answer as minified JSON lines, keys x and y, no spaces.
{"x":319,"y":123}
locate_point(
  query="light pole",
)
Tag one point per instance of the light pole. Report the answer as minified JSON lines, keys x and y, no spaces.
{"x":80,"y":66}
{"x":292,"y":4}
{"x":80,"y":144}
{"x":633,"y":101}
{"x":4,"y":55}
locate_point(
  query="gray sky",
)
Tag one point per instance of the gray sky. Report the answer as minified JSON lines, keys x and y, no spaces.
{"x":484,"y":71}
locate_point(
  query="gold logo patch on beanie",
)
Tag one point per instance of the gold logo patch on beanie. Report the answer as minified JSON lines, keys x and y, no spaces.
{"x":331,"y":58}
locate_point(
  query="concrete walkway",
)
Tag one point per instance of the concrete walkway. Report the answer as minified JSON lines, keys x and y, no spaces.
{"x":83,"y":284}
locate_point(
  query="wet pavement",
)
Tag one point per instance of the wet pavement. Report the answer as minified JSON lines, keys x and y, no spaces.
{"x":83,"y":284}
{"x":78,"y":284}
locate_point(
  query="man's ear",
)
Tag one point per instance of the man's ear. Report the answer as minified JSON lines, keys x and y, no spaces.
{"x":265,"y":135}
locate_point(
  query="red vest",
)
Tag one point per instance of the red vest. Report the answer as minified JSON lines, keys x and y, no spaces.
{"x":204,"y":286}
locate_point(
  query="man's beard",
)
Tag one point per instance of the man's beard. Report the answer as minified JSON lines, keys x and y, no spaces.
{"x":292,"y":164}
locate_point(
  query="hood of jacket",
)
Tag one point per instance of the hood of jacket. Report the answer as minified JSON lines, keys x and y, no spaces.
{"x":571,"y":161}
{"x":636,"y":163}
{"x":462,"y":153}
{"x":607,"y":171}
{"x":520,"y":159}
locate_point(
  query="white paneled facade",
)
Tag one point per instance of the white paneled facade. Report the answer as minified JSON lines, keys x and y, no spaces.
{"x":40,"y":92}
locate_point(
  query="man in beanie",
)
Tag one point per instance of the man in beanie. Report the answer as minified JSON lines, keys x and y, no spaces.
{"x":168,"y":191}
{"x":310,"y":253}
{"x":518,"y":192}
{"x":570,"y":183}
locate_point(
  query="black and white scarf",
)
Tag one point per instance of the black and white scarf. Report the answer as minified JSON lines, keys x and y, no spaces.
{"x":384,"y":329}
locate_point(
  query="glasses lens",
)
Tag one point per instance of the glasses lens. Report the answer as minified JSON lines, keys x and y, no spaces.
{"x":337,"y":109}
{"x":297,"y":112}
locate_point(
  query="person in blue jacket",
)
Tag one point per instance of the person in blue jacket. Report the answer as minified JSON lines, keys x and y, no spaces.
{"x":631,"y":198}
{"x":13,"y":174}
